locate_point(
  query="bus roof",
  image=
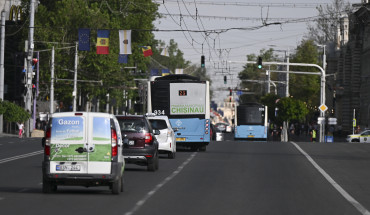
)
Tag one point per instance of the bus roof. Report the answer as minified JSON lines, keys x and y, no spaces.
{"x":176,"y":77}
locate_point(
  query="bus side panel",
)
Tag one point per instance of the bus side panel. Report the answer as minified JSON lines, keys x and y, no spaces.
{"x":190,"y":130}
{"x":250,"y":132}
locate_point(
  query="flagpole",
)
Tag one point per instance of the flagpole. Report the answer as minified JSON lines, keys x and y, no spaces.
{"x":74,"y":94}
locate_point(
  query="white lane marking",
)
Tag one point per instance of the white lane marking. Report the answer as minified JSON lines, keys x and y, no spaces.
{"x":23,"y":190}
{"x":152,"y":192}
{"x":344,"y":193}
{"x":5,"y":160}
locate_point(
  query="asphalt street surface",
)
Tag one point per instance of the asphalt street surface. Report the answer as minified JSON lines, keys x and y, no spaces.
{"x":231,"y":177}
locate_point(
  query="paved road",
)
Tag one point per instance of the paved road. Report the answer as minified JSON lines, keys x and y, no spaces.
{"x":230,"y":178}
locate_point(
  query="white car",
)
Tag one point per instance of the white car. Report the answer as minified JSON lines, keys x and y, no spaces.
{"x":363,"y":137}
{"x":166,"y":138}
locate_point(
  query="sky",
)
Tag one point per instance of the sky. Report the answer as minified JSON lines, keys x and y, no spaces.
{"x":233,"y":31}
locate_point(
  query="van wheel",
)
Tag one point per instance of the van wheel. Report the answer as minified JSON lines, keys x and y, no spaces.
{"x":117,"y":185}
{"x":48,"y":187}
{"x":122,"y":183}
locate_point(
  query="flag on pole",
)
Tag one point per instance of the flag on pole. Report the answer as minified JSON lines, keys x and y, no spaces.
{"x":147,"y":51}
{"x":84,"y":39}
{"x":165,"y":52}
{"x":165,"y":72}
{"x":179,"y":71}
{"x":122,"y":58}
{"x":125,"y":41}
{"x":102,"y":45}
{"x":154,"y":72}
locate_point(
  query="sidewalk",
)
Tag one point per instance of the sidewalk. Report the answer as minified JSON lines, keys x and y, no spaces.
{"x":307,"y":138}
{"x":8,"y":135}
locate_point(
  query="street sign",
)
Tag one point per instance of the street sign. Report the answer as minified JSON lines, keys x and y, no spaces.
{"x":323,"y":108}
{"x":332,"y":121}
{"x":321,"y":120}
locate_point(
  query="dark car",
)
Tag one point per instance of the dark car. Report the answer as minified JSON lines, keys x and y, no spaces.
{"x":213,"y":132}
{"x":140,"y":145}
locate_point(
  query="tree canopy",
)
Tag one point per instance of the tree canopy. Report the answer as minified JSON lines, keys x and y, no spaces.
{"x":305,"y":87}
{"x":57,"y":24}
{"x":325,"y":27}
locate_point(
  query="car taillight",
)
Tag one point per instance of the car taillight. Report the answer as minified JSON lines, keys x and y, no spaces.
{"x":114,"y":143}
{"x":47,"y":142}
{"x":148,"y":138}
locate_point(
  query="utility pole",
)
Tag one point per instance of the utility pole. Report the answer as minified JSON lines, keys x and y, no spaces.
{"x":52,"y":82}
{"x":2,"y":65}
{"x":287,"y":75}
{"x":37,"y":92}
{"x":75,"y":81}
{"x":29,"y":66}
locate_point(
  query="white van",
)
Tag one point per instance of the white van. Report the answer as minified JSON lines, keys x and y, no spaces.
{"x":83,"y":148}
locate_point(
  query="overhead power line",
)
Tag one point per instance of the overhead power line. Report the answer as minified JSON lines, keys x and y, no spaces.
{"x":306,"y":19}
{"x":245,"y":4}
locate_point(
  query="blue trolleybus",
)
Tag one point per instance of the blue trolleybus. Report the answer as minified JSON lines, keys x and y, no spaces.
{"x":185,"y":100}
{"x":251,"y":122}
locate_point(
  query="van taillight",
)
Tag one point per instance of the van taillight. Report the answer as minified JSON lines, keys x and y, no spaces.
{"x":47,"y":142}
{"x":114,"y":143}
{"x":148,"y":138}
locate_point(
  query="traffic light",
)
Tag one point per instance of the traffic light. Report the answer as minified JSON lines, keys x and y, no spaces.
{"x":225,"y":79}
{"x":231,"y":92}
{"x":34,"y":90}
{"x":259,"y":63}
{"x":34,"y":62}
{"x":202,"y":61}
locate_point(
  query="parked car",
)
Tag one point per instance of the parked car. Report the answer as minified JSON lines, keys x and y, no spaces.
{"x":140,"y":146}
{"x":363,"y":137}
{"x":83,"y":149}
{"x":166,"y":139}
{"x":223,"y":127}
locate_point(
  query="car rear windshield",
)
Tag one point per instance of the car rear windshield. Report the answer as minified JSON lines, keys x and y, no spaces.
{"x":132,"y":125}
{"x":158,"y":124}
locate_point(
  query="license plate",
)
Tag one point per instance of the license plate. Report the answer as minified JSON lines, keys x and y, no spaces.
{"x":131,"y":142}
{"x":250,"y":135}
{"x":180,"y":139}
{"x":68,"y":168}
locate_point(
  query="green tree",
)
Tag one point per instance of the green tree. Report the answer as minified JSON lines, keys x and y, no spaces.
{"x":13,"y":112}
{"x":59,"y":21}
{"x":305,"y":87}
{"x":254,"y":79}
{"x":290,"y":109}
{"x":174,"y":61}
{"x":270,"y":100}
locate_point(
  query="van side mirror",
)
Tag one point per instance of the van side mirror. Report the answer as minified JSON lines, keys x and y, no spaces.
{"x":43,"y":142}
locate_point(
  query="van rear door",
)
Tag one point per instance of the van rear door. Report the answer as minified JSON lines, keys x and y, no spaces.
{"x":68,"y":149}
{"x":100,"y":144}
